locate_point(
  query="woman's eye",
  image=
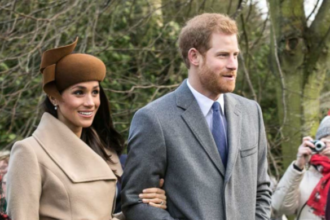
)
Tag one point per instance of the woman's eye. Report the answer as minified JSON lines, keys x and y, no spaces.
{"x":95,"y":92}
{"x":78,"y":92}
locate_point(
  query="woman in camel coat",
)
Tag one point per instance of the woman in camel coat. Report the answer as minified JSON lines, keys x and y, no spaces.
{"x":69,"y":167}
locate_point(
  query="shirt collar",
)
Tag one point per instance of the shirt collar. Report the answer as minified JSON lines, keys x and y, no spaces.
{"x":204,"y":102}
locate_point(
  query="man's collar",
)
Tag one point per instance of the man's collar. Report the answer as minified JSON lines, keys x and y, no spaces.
{"x":204,"y":102}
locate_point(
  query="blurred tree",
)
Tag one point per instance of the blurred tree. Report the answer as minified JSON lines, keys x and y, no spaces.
{"x":300,"y":59}
{"x":181,"y":10}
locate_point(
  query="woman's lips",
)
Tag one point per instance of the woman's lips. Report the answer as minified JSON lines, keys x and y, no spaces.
{"x":86,"y":114}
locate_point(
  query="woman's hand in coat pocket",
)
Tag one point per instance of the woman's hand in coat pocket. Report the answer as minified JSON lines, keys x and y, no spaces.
{"x":154,"y":196}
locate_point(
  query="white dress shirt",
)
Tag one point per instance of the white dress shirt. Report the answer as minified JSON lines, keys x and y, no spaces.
{"x":205,"y":105}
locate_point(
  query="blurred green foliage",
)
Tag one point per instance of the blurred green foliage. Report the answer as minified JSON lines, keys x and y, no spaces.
{"x":136,"y":39}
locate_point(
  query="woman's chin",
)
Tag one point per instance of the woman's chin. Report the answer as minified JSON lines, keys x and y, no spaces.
{"x":86,"y":125}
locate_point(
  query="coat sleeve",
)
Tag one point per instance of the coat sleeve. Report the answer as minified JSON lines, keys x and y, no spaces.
{"x":286,"y":196}
{"x":118,"y":216}
{"x":263,"y":202}
{"x":145,"y":165}
{"x":23,"y":183}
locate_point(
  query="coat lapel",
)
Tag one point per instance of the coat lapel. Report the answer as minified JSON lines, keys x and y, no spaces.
{"x":77,"y":160}
{"x":233,"y":116}
{"x":195,"y":120}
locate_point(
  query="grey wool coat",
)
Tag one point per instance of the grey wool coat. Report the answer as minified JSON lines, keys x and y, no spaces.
{"x":170,"y":139}
{"x":55,"y":175}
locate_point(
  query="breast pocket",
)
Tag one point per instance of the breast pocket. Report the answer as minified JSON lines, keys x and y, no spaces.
{"x":250,"y":151}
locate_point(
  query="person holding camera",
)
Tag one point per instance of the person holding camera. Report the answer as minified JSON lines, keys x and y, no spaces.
{"x":303,"y":190}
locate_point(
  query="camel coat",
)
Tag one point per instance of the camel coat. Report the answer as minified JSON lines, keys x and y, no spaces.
{"x":55,"y":175}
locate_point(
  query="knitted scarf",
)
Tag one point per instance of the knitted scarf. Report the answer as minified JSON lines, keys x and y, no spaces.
{"x":318,"y":199}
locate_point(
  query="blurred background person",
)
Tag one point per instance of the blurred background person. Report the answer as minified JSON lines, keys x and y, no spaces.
{"x":4,"y":160}
{"x":327,"y":208}
{"x":303,"y":189}
{"x":273,"y":185}
{"x":3,"y":188}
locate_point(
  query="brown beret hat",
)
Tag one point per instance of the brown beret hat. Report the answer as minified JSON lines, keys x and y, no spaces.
{"x":62,"y":69}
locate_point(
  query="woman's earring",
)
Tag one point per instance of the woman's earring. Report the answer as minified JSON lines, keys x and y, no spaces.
{"x":55,"y":107}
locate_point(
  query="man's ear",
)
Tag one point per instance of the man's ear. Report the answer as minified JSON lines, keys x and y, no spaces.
{"x":194,"y":57}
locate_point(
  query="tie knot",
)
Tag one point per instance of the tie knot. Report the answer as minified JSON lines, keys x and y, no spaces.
{"x":216,"y":106}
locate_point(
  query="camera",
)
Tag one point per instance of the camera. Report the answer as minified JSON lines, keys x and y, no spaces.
{"x":319,"y":146}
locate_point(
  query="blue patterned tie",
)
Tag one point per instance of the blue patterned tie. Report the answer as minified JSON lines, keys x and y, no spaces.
{"x":219,"y":134}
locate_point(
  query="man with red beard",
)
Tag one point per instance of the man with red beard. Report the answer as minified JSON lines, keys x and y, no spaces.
{"x":207,"y":143}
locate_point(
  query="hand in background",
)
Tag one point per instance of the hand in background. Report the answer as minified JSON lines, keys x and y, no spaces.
{"x":304,"y":152}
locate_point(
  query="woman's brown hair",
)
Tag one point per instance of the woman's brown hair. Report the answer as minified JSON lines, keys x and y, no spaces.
{"x":101,"y":134}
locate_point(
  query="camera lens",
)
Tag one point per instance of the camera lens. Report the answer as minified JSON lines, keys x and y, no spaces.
{"x":319,"y":146}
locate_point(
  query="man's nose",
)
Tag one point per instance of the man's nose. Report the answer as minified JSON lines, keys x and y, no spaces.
{"x":232,"y":63}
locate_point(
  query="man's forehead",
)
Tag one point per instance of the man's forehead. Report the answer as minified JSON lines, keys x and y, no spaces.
{"x":224,"y":39}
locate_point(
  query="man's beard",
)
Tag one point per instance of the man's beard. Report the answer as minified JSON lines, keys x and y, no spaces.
{"x":210,"y":81}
